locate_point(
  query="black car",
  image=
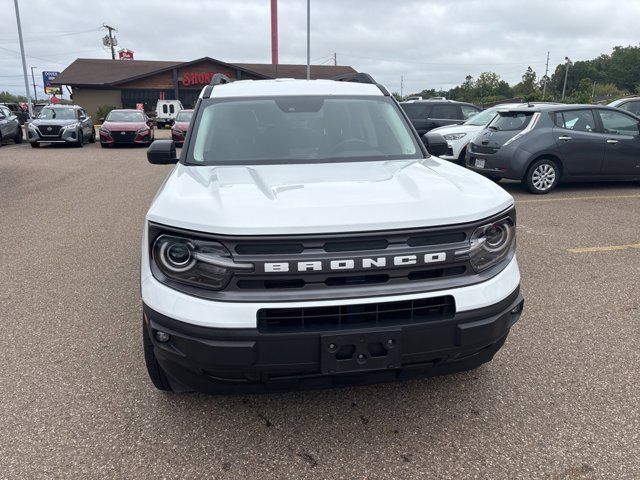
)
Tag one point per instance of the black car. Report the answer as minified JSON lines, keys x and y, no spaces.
{"x":426,"y":115}
{"x":17,"y":110}
{"x":542,"y":145}
{"x":630,"y":104}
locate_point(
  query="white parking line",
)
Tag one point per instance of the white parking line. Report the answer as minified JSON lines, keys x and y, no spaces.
{"x":610,"y":248}
{"x":569,"y":199}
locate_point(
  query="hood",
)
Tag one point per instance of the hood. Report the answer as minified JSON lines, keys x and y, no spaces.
{"x":43,"y":121}
{"x":324,"y":198}
{"x":124,"y":126}
{"x":181,"y":125}
{"x":447,"y":129}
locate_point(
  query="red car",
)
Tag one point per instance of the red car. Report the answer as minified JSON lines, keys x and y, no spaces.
{"x":180,"y":127}
{"x":126,"y":127}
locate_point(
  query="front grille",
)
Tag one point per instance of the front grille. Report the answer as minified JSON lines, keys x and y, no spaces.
{"x":49,"y":130}
{"x":279,"y":320}
{"x":483,"y":149}
{"x":123,"y":137}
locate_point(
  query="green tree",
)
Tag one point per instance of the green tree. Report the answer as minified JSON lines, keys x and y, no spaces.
{"x":528,"y":87}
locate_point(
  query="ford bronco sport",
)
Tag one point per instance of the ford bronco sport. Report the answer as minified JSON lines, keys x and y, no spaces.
{"x":306,"y":238}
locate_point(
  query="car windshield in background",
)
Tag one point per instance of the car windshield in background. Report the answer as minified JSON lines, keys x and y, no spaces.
{"x":302,"y":128}
{"x":120,"y":116}
{"x":57,"y":114}
{"x":482,"y":118}
{"x":184,"y":116}
{"x":510,"y":121}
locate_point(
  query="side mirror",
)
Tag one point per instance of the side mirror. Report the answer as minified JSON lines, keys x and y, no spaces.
{"x":82,"y":117}
{"x":150,"y":123}
{"x":172,"y":121}
{"x":101,"y":119}
{"x":162,"y":152}
{"x":435,"y":143}
{"x":2,"y":116}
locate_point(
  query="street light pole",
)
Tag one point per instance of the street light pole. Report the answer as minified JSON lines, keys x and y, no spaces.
{"x":35,"y":93}
{"x":566,"y":74}
{"x":308,"y":39}
{"x":24,"y":61}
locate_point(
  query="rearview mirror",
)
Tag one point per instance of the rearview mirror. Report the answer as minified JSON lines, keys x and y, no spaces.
{"x":435,"y":143}
{"x":162,"y":152}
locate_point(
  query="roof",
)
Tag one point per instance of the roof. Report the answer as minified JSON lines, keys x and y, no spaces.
{"x":106,"y":72}
{"x":93,"y":71}
{"x":290,"y":86}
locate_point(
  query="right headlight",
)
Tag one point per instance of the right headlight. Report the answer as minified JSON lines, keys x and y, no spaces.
{"x":195,"y":262}
{"x":454,"y":136}
{"x":491,"y":243}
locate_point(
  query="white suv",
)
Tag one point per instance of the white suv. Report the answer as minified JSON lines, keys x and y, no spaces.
{"x":306,"y":238}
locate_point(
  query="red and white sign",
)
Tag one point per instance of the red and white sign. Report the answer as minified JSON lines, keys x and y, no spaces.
{"x":125,"y":54}
{"x":140,"y":106}
{"x":197,"y":78}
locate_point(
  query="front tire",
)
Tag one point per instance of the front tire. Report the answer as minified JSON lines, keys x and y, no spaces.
{"x":156,"y":374}
{"x":18,"y":138}
{"x":92,"y":138}
{"x":80,"y":141}
{"x":542,"y":177}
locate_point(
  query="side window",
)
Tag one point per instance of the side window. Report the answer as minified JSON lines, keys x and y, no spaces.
{"x":164,"y":108}
{"x":468,"y":111}
{"x":414,"y":111}
{"x":172,"y":109}
{"x":633,"y":107}
{"x":5,"y":111}
{"x":580,"y":120}
{"x":619,"y":123}
{"x":444,"y":112}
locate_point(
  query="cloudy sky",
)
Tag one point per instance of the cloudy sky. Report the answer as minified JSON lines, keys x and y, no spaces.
{"x":431,"y":43}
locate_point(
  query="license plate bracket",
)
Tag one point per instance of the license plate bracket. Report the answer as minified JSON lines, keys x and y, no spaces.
{"x":480,"y":162}
{"x":357,"y":352}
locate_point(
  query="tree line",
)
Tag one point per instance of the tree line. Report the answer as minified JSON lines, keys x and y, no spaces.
{"x":606,"y":77}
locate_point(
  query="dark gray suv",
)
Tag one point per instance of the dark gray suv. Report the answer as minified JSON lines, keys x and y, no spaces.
{"x":426,"y":115}
{"x":544,"y":144}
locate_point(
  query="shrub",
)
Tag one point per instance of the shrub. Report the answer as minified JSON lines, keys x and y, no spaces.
{"x":103,"y":111}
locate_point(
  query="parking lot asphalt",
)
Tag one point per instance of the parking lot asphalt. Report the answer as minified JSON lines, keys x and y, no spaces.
{"x":561,"y":400}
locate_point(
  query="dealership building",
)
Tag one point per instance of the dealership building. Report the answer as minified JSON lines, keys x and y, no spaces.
{"x":128,"y":83}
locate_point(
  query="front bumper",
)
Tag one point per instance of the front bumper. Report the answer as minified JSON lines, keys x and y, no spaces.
{"x":69,"y":136}
{"x":504,"y":163}
{"x":222,"y":360}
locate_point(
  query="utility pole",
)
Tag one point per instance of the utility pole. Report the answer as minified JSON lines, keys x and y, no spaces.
{"x":111,"y":40}
{"x":335,"y":59}
{"x":566,"y":74}
{"x":308,"y":39}
{"x":401,"y":86}
{"x":546,"y":78}
{"x":24,"y":61}
{"x":35,"y":94}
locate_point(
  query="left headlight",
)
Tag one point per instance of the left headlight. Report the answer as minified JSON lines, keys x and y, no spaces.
{"x":143,"y":130}
{"x":71,"y":126}
{"x":454,"y":136}
{"x":199,"y":263}
{"x":491,"y":243}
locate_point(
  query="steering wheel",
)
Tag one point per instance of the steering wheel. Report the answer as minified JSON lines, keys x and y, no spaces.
{"x":349,"y":141}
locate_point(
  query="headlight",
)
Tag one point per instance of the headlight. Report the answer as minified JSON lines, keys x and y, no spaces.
{"x":199,"y":263}
{"x":143,"y":130}
{"x":490,"y":244}
{"x":177,"y":131}
{"x":454,"y":136}
{"x":105,"y":130}
{"x":71,"y":126}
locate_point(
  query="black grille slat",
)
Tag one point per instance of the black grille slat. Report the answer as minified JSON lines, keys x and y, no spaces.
{"x":272,"y":320}
{"x":54,"y":132}
{"x":123,"y":137}
{"x":436,"y":239}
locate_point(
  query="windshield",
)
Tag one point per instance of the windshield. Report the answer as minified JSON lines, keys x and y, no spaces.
{"x":57,"y":114}
{"x":482,"y":118}
{"x":510,"y":121}
{"x":302,"y":128}
{"x":184,"y":116}
{"x":124,"y":116}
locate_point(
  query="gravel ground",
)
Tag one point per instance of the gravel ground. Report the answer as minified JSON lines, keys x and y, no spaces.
{"x":561,"y":400}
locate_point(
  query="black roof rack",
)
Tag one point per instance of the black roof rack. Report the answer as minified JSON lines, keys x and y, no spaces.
{"x":360,"y":77}
{"x":217,"y":79}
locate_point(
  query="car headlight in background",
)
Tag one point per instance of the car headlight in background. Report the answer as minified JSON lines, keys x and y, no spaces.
{"x":454,"y":136}
{"x":105,"y":131}
{"x":194,"y":262}
{"x":490,"y":244}
{"x":143,"y":130}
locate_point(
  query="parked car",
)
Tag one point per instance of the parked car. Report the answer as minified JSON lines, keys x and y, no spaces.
{"x":37,"y":107}
{"x":630,"y":104}
{"x":180,"y":127}
{"x":166,"y":112}
{"x":459,"y":136}
{"x":310,"y":240}
{"x":543,"y":145}
{"x":426,"y":115}
{"x":10,"y":128}
{"x":18,"y":111}
{"x":67,"y":124}
{"x":126,"y":127}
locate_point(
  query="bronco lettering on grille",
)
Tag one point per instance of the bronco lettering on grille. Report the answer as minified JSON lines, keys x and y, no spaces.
{"x":353,"y":264}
